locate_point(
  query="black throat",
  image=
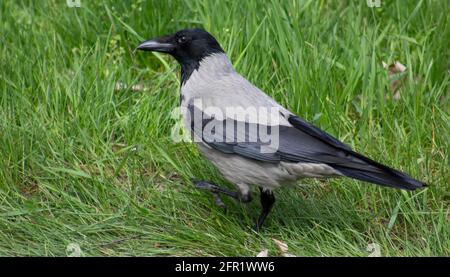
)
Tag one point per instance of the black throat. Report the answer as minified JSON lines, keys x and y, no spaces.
{"x":187,"y":68}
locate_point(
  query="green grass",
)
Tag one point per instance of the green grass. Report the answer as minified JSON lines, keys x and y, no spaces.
{"x":83,"y":162}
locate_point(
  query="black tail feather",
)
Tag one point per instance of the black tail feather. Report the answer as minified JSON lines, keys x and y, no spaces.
{"x":343,"y":159}
{"x":379,"y":174}
{"x":384,"y":178}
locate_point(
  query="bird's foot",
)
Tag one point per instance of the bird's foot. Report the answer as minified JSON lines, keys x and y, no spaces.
{"x":215,"y":191}
{"x":219,"y":201}
{"x":206,"y":186}
{"x":256,"y":228}
{"x":267,"y":200}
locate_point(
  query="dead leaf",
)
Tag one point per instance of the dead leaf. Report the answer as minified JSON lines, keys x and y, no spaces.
{"x":264,"y":253}
{"x":396,"y":95}
{"x":136,"y":87}
{"x":395,"y":71}
{"x":373,"y":249}
{"x":281,"y":245}
{"x":119,"y":86}
{"x":117,"y":147}
{"x":29,"y":188}
{"x":395,"y":68}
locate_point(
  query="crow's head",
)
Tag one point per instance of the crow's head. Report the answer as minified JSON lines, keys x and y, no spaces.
{"x":188,"y":46}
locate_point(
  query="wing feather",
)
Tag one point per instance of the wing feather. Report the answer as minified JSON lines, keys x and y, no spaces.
{"x":301,"y":142}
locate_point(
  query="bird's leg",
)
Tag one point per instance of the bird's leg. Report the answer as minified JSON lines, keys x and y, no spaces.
{"x":267,"y":200}
{"x":219,"y":201}
{"x":216,"y":191}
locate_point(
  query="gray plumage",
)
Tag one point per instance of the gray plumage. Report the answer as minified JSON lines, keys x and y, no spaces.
{"x":300,"y":154}
{"x":303,"y":150}
{"x":217,"y":84}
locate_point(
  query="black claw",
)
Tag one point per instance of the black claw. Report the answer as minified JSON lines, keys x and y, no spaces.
{"x":267,"y":200}
{"x":205,"y":185}
{"x":216,"y":189}
{"x":256,"y":228}
{"x":219,"y":201}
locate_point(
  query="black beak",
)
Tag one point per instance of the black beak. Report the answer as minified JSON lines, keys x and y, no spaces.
{"x":162,"y":44}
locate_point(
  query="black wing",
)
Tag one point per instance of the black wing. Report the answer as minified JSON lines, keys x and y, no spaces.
{"x":301,"y":142}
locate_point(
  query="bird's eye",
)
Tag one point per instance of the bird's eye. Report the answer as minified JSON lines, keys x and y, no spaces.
{"x":182,"y":39}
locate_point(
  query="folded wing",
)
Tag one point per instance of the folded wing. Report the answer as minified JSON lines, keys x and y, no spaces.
{"x":295,"y":143}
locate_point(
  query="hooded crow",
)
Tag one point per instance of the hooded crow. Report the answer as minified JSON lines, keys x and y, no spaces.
{"x":248,"y":136}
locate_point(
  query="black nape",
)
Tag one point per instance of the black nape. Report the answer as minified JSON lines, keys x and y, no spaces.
{"x":193,"y":45}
